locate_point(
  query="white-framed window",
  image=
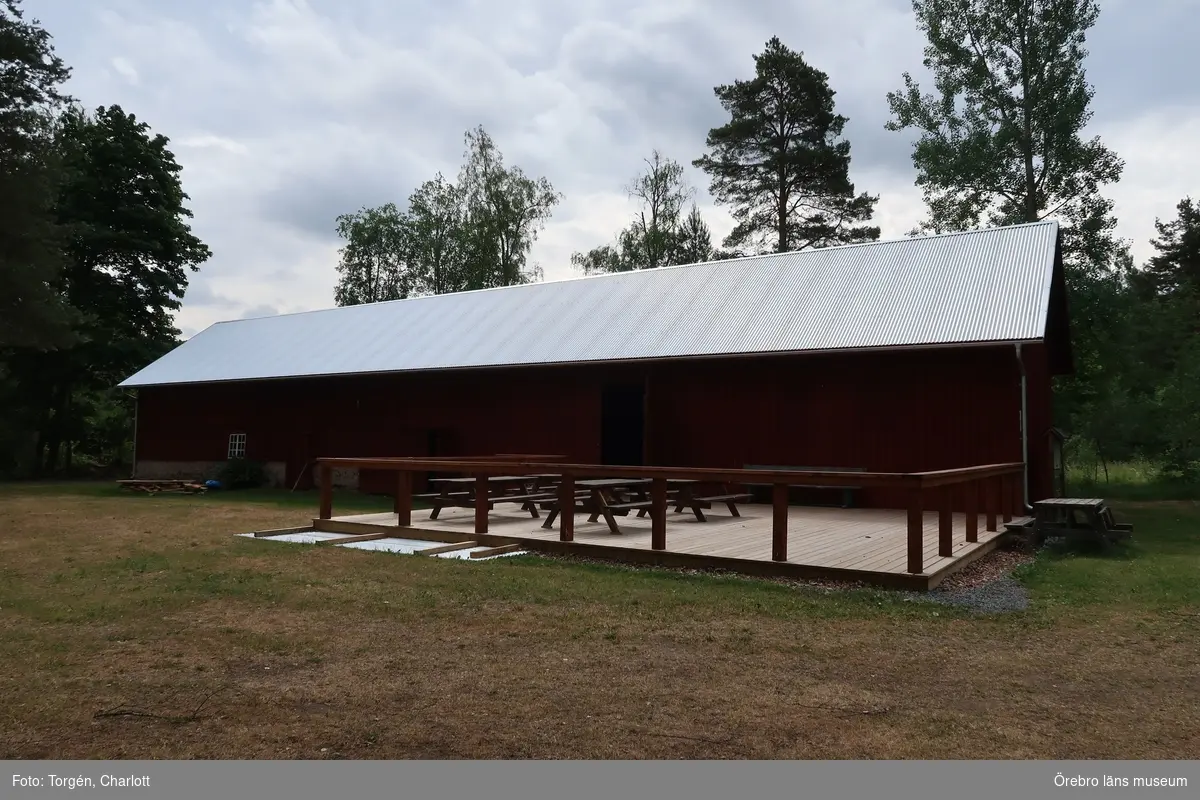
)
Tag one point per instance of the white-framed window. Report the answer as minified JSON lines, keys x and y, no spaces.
{"x":237,"y":445}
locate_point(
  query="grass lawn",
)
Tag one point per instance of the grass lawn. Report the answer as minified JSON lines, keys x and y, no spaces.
{"x":234,"y":648}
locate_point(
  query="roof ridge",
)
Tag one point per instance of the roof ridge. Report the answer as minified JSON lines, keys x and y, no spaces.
{"x":804,"y":252}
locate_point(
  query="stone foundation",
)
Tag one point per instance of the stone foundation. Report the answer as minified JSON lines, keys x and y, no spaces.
{"x":345,"y":477}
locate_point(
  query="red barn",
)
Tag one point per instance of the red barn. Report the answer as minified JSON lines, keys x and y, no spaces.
{"x":901,"y":356}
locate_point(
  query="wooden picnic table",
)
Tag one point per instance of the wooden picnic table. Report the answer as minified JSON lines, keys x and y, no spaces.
{"x":598,"y":497}
{"x":611,"y":497}
{"x":687,"y":496}
{"x":528,"y":493}
{"x":1059,"y":516}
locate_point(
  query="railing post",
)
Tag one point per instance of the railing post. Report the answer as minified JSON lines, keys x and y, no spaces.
{"x":988,"y":487}
{"x":1004,"y":481}
{"x":658,"y":514}
{"x":326,"y":478}
{"x":779,"y":522}
{"x":566,"y":509}
{"x":916,"y":531}
{"x":971,"y":506}
{"x":481,"y":504}
{"x":945,"y":522}
{"x":403,"y":503}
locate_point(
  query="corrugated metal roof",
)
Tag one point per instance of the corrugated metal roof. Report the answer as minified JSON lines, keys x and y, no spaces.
{"x":986,"y":285}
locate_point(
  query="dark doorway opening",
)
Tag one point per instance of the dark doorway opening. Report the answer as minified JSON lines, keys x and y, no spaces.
{"x":622,"y":424}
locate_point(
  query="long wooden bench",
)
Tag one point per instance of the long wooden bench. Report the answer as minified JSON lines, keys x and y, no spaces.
{"x":847,"y":490}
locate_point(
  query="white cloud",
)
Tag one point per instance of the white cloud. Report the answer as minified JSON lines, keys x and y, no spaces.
{"x":286,"y":113}
{"x":1162,"y":166}
{"x":125,"y":69}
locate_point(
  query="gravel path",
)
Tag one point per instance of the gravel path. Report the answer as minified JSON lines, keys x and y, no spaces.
{"x":995,"y":597}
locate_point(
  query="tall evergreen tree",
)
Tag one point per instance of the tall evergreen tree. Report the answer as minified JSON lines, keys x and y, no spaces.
{"x":780,"y":161}
{"x":694,"y":241}
{"x":1175,"y":270}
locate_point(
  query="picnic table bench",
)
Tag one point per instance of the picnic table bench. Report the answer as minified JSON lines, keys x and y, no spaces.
{"x":1076,"y":517}
{"x":847,"y":490}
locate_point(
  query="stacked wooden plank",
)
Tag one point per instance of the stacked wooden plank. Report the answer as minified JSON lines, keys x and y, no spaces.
{"x":164,"y":486}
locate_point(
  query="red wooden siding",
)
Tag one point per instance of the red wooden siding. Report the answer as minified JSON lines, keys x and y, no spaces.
{"x":897,"y":411}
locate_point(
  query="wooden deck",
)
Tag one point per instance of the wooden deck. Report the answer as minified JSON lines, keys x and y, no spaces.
{"x":846,"y":544}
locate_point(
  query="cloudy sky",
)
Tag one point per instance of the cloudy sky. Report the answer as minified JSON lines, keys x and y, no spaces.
{"x":286,"y":113}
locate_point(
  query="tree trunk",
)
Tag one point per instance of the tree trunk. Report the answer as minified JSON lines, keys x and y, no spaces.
{"x":1031,"y":198}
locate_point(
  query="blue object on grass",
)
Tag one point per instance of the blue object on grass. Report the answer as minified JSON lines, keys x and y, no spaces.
{"x":213,"y":484}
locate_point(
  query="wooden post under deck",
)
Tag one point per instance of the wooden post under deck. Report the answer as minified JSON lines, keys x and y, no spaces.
{"x":971,"y":506}
{"x":779,"y":522}
{"x":481,"y":504}
{"x":945,"y":523}
{"x":1002,"y":487}
{"x":658,"y":514}
{"x":403,"y":504}
{"x":916,"y":532}
{"x":987,"y":486}
{"x":566,"y":509}
{"x":326,"y":478}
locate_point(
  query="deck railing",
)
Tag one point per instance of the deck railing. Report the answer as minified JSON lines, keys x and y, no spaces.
{"x":994,"y":489}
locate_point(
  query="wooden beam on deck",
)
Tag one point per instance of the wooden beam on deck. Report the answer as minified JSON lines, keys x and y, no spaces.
{"x":403,"y":503}
{"x":1005,"y":481}
{"x":482,"y":506}
{"x":988,"y":487}
{"x":566,"y":509}
{"x":658,"y":514}
{"x":945,"y":522}
{"x":916,"y":532}
{"x":779,"y":522}
{"x":326,"y":476}
{"x":971,"y":506}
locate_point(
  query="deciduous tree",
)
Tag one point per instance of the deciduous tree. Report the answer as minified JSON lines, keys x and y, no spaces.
{"x":504,"y":211}
{"x":1001,"y":137}
{"x":374,"y":263}
{"x":32,"y":312}
{"x":660,"y":235}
